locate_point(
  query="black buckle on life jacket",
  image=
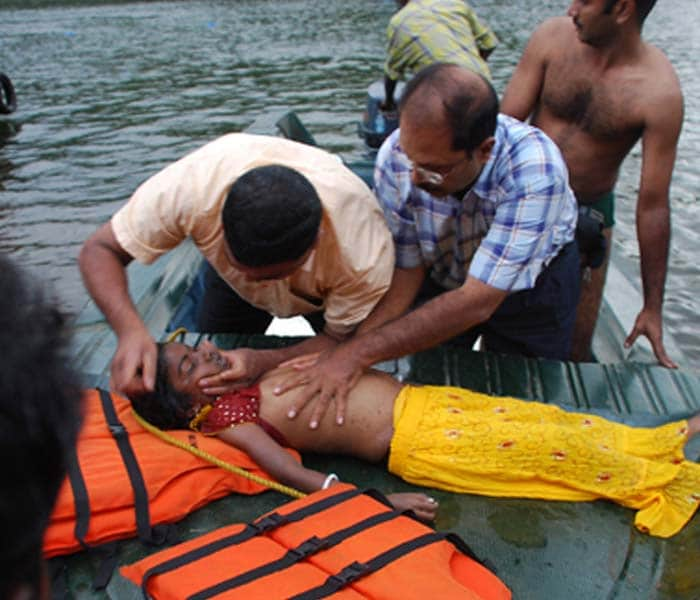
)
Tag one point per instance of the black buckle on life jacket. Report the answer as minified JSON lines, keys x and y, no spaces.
{"x":271,"y":521}
{"x":350,"y":573}
{"x":117,"y":430}
{"x":309,"y":547}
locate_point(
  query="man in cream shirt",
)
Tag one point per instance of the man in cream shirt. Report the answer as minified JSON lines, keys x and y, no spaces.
{"x":286,"y":226}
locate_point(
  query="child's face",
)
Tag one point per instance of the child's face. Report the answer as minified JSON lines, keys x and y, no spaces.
{"x":187,"y":365}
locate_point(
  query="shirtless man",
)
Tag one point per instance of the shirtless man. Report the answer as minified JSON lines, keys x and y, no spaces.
{"x":440,"y":437}
{"x":596,"y":87}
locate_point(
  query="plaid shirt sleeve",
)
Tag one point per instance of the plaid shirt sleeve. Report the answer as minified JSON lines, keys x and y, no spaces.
{"x":486,"y":39}
{"x":399,"y":54}
{"x":392,"y":186}
{"x":533,"y":219}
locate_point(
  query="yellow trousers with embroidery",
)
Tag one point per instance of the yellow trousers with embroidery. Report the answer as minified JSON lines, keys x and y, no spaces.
{"x":463,"y":441}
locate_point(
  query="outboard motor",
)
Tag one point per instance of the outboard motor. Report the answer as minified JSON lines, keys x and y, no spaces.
{"x":376,"y":125}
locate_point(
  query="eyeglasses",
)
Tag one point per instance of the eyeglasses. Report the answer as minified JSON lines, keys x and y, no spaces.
{"x":430,"y":176}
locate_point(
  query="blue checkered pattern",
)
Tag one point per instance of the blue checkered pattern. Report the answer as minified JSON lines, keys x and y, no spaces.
{"x":506,"y":228}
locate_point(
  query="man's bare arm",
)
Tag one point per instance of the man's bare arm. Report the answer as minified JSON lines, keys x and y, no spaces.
{"x":103,"y":264}
{"x":336,"y":372}
{"x":389,"y":87}
{"x":523,"y":91}
{"x":485,"y":53}
{"x":405,"y":284}
{"x":659,"y":141}
{"x":248,"y":364}
{"x":443,"y":317}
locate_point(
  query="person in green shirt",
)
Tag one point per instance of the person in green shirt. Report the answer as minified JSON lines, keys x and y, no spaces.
{"x":424,"y":32}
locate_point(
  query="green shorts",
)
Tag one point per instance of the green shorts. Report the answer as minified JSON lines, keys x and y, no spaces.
{"x":604,"y":206}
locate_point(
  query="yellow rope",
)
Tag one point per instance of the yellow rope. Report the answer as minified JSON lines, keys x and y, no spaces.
{"x":290,"y":491}
{"x":200,"y":416}
{"x":174,"y":334}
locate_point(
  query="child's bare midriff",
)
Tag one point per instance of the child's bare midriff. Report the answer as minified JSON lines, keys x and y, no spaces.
{"x":366,"y":432}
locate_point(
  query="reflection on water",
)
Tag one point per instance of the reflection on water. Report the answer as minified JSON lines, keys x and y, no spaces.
{"x":109,"y":93}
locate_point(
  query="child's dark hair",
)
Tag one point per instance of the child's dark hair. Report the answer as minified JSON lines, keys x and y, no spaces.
{"x":164,"y":407}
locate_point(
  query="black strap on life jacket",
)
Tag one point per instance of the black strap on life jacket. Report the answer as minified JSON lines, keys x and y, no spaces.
{"x":357,"y":570}
{"x":151,"y":535}
{"x":294,"y":555}
{"x":267,"y":523}
{"x":121,"y":437}
{"x":80,"y":498}
{"x":107,"y":552}
{"x":154,"y":536}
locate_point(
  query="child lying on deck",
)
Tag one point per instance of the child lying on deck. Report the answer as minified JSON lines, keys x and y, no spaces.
{"x":441,"y":437}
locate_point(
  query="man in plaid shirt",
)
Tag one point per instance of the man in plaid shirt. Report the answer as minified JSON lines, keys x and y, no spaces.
{"x":483,"y":220}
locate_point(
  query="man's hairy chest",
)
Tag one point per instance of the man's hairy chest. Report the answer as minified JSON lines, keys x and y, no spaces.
{"x":603,"y":106}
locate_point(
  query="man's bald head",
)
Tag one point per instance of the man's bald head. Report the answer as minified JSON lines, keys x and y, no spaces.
{"x":448,"y":96}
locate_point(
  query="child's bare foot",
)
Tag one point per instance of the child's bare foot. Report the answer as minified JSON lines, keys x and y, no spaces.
{"x":424,"y":506}
{"x":693,"y":425}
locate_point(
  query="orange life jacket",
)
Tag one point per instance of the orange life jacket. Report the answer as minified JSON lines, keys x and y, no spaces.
{"x":124,"y":481}
{"x":340,"y":541}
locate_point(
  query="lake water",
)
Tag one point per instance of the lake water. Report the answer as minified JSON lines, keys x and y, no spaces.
{"x":109,"y":93}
